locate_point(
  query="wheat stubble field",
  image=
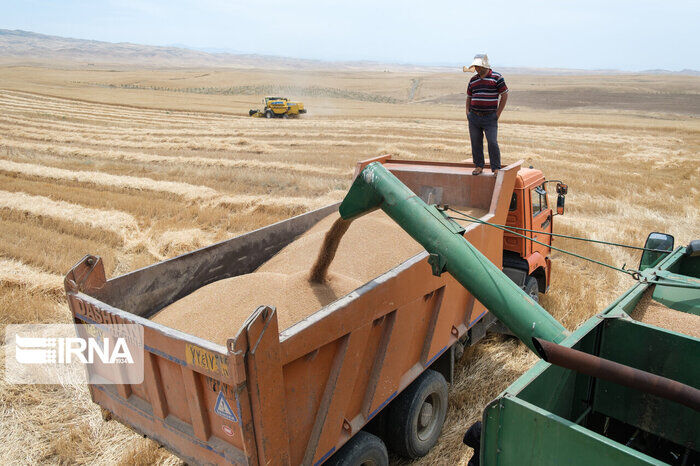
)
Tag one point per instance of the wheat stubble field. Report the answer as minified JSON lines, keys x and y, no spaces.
{"x":142,"y":165}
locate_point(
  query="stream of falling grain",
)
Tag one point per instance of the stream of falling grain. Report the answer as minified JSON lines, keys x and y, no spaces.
{"x":328,"y":250}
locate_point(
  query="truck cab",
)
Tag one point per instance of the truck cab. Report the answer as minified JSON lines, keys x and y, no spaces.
{"x":525,"y":262}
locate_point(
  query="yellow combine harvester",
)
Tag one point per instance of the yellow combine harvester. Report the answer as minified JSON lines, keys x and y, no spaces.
{"x":278,"y":107}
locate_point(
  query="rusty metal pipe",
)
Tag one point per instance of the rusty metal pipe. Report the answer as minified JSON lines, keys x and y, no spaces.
{"x":605,"y":369}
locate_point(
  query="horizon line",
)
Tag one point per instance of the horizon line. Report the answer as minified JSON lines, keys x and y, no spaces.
{"x":222,"y":51}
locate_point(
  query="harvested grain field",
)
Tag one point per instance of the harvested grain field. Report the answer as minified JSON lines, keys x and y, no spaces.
{"x":92,"y":163}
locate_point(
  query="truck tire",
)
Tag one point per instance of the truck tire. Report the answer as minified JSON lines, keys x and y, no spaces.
{"x":416,"y":416}
{"x":285,"y":116}
{"x":364,"y":449}
{"x":532,"y":288}
{"x":268,"y":114}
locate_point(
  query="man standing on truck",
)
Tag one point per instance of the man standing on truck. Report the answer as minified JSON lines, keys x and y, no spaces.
{"x":483,"y":111}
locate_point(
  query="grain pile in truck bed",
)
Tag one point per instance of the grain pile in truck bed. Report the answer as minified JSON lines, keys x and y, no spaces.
{"x":371,"y":246}
{"x":654,"y":313}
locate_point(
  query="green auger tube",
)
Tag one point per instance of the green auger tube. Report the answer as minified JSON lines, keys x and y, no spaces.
{"x":375,"y":187}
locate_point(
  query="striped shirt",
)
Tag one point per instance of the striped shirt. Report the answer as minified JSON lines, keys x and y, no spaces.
{"x":485,"y":91}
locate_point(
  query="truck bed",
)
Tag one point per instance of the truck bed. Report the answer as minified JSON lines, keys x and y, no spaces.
{"x":296,"y":395}
{"x":372,"y":246}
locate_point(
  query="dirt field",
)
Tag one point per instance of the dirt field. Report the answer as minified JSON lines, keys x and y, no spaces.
{"x":138,"y":166}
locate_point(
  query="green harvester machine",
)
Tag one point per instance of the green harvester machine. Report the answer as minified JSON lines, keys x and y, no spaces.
{"x":615,"y":391}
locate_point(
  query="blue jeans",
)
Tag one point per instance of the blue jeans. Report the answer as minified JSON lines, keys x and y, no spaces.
{"x":478,"y":126}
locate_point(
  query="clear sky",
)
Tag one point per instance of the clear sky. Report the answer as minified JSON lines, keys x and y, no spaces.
{"x":591,"y":34}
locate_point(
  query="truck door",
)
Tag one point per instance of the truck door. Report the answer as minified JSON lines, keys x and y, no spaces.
{"x":541,"y":220}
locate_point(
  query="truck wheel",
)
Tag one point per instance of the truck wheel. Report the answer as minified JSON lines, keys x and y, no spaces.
{"x":364,"y":449}
{"x":532,"y":288}
{"x":285,"y":116}
{"x":268,"y":114}
{"x":416,"y":416}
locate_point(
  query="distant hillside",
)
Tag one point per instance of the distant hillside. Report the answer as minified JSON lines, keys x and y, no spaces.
{"x":684,"y":71}
{"x":23,"y":47}
{"x":28,"y":48}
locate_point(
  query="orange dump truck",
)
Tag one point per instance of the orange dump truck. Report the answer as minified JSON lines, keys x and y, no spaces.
{"x":369,"y":369}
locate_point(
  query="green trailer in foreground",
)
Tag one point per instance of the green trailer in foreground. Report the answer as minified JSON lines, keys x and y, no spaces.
{"x":553,"y":415}
{"x":630,"y":394}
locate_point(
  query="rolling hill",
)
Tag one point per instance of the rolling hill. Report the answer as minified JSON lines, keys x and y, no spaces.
{"x":19,"y":47}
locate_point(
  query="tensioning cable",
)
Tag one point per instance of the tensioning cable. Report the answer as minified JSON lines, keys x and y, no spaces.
{"x":559,"y":235}
{"x":635,"y":274}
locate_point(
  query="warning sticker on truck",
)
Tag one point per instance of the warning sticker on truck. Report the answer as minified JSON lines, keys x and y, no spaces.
{"x":223,"y":408}
{"x":212,"y":362}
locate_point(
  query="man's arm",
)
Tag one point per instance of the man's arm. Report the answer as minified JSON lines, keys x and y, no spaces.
{"x":503,"y":93}
{"x":469,"y":103}
{"x":501,"y":104}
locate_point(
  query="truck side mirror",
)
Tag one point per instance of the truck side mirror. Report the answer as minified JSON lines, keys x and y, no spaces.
{"x":562,"y":189}
{"x":655,"y":240}
{"x":560,"y":204}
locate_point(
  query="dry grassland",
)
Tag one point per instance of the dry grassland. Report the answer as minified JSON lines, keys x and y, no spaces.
{"x":139,"y":166}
